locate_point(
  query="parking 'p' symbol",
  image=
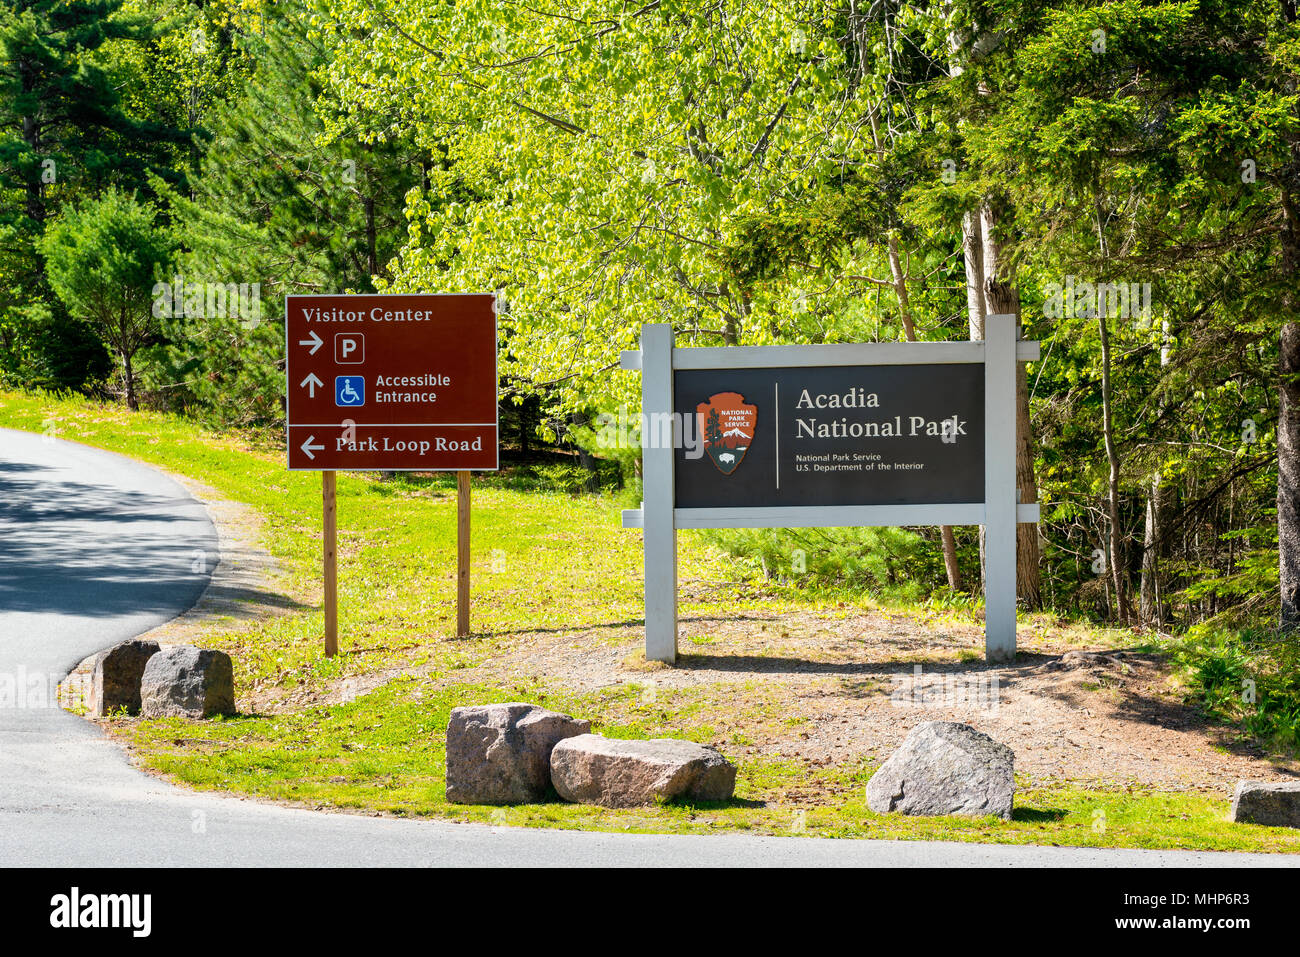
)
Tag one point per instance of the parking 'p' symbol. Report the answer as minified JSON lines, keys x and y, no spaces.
{"x":349,"y":348}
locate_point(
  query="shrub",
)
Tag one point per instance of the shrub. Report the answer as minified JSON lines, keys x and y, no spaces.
{"x":885,"y":562}
{"x":1249,"y":677}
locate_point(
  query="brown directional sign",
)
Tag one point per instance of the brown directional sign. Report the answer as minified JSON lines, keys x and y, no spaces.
{"x":395,"y":382}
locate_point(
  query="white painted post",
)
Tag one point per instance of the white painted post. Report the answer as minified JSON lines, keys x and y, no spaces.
{"x":657,"y":460}
{"x":1000,"y":488}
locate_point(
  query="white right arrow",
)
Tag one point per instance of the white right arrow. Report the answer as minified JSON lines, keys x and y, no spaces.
{"x":311,"y":382}
{"x":315,"y":342}
{"x":307,"y":447}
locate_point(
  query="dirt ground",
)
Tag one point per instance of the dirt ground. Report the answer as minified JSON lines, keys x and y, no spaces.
{"x":848,"y":687}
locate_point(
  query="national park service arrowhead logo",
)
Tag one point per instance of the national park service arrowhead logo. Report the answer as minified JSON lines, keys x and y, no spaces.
{"x":728,"y":425}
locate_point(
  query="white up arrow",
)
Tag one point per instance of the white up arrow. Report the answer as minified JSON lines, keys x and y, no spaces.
{"x":315,"y":342}
{"x":307,"y":447}
{"x":311,"y":382}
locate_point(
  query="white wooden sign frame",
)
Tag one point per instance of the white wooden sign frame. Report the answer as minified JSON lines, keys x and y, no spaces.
{"x":1000,"y":512}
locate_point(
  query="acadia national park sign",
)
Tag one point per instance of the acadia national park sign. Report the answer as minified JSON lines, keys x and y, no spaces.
{"x":840,"y":435}
{"x":807,"y":436}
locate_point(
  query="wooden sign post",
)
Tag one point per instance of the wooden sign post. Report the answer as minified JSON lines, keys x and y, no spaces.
{"x":391,"y":383}
{"x":330,"y":570}
{"x":462,"y":554}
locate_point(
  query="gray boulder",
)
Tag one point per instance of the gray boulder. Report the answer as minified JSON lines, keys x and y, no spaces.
{"x":1276,"y":805}
{"x":115,"y":678}
{"x":187,"y":682}
{"x":501,"y":753}
{"x":590,"y":769}
{"x":945,"y":768}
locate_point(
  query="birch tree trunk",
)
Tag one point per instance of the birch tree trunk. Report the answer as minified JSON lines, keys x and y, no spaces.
{"x":1002,"y":297}
{"x":1288,"y":477}
{"x":1149,"y":591}
{"x":1119,"y":576}
{"x":1288,"y":423}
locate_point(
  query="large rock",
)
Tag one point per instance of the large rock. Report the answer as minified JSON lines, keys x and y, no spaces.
{"x":590,"y":769}
{"x":115,"y":678}
{"x":945,"y":768}
{"x":1277,"y":805}
{"x":187,"y":682}
{"x":501,"y":753}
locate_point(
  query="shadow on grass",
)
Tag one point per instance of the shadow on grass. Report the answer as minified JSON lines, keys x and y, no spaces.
{"x":1033,"y":815}
{"x":717,"y":805}
{"x":578,"y":629}
{"x":552,"y":799}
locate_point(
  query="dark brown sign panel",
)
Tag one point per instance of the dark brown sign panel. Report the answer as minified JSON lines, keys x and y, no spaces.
{"x":398,"y":382}
{"x":839,"y":435}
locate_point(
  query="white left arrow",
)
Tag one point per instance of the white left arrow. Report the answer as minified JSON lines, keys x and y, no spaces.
{"x":315,"y":342}
{"x":307,"y":447}
{"x":311,"y":382}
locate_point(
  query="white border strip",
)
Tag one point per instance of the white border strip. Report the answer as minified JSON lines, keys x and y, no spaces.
{"x":844,"y":354}
{"x":814,"y":516}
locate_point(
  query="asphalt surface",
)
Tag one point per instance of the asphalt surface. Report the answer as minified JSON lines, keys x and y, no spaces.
{"x":96,"y":548}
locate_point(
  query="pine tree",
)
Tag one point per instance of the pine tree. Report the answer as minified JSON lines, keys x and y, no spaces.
{"x":285,"y":201}
{"x":64,"y":134}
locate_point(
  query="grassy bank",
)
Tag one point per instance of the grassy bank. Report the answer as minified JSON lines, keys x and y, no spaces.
{"x":554,"y":577}
{"x":385,"y":752}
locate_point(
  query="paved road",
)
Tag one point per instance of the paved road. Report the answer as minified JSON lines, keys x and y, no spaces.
{"x":96,"y":548}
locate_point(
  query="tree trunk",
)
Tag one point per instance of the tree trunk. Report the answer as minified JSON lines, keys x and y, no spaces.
{"x":586,"y":460}
{"x":34,"y":203}
{"x":372,"y":258}
{"x":1288,"y":477}
{"x":1117,"y":570}
{"x":950,"y":565}
{"x":909,"y":329}
{"x":525,"y":429}
{"x":1002,"y":297}
{"x":900,"y":289}
{"x":128,"y":380}
{"x":1149,"y":591}
{"x":972,"y":246}
{"x":1028,"y":557}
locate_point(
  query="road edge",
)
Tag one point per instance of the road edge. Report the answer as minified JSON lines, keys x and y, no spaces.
{"x":243,"y":566}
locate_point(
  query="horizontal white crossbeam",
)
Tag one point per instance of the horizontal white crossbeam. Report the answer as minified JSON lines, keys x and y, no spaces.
{"x":831,"y":517}
{"x":844,"y":354}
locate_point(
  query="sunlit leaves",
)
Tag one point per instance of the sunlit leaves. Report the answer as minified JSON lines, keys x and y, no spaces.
{"x":605,"y":155}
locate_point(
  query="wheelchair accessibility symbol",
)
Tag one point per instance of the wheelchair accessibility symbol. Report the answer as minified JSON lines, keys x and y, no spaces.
{"x":349,"y":390}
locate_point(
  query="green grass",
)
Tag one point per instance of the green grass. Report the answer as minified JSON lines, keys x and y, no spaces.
{"x":385,"y":752}
{"x":548,"y":563}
